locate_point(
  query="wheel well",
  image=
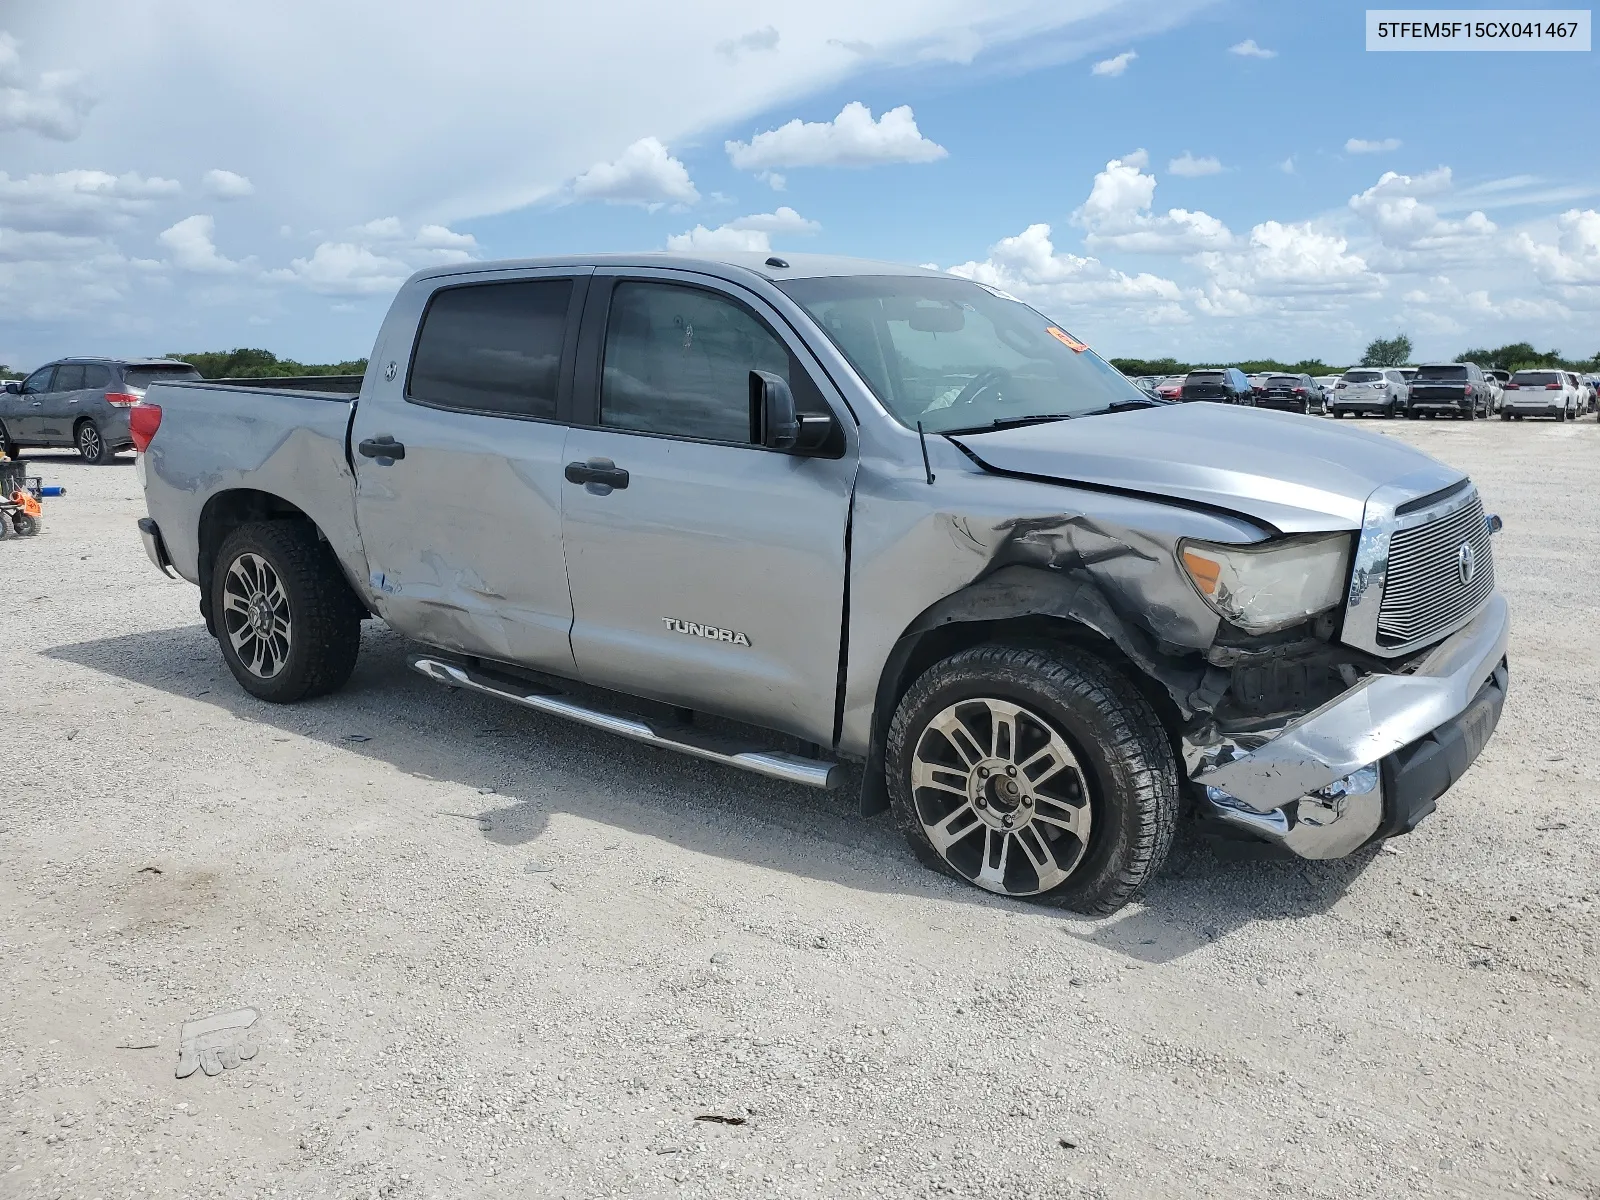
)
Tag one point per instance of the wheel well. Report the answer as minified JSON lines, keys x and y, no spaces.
{"x":916,"y":652}
{"x":224,"y":513}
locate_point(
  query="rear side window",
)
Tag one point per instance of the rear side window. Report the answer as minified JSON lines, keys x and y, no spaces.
{"x":678,"y":361}
{"x":1455,"y":372}
{"x":143,"y":377}
{"x":493,"y":348}
{"x":69,"y":378}
{"x":96,"y":376}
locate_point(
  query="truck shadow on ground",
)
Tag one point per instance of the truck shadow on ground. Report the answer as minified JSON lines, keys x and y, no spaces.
{"x":526,"y":766}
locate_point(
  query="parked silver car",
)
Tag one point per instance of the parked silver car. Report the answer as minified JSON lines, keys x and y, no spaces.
{"x":1382,"y":391}
{"x":862,"y":513}
{"x":81,"y":402}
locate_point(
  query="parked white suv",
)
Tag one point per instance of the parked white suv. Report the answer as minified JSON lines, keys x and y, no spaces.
{"x":1542,"y":393}
{"x":1497,"y":381}
{"x":1380,"y":390}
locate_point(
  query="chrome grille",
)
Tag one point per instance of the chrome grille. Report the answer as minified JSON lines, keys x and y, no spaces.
{"x":1423,"y":593}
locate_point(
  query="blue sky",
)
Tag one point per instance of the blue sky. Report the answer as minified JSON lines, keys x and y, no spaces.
{"x":1237,"y":179}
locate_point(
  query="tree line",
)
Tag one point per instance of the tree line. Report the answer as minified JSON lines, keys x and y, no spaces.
{"x":1380,"y":352}
{"x":262,"y":364}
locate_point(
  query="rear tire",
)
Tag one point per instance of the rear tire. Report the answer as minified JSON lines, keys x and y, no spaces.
{"x":1093,"y":785}
{"x":92,"y":445}
{"x":7,"y":446}
{"x":284,"y":615}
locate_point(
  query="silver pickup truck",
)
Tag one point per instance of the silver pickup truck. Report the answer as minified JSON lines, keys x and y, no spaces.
{"x":788,"y":513}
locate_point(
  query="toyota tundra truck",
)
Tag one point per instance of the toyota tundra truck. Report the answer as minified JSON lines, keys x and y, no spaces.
{"x":788,"y":513}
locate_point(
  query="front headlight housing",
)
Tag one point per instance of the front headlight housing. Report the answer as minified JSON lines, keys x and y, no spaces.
{"x":1271,"y":585}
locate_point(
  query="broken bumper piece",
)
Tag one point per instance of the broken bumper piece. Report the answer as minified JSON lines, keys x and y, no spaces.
{"x":1371,"y":762}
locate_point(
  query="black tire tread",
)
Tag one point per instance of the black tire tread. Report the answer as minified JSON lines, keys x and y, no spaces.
{"x":326,"y":616}
{"x":1135,"y":743}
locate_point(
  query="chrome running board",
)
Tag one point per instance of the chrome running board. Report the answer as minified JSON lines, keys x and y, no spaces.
{"x":774,"y":764}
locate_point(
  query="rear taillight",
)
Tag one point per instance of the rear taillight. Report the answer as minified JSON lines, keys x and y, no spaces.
{"x":1338,"y":385}
{"x":143,"y":421}
{"x":1299,"y":391}
{"x":1513,"y":387}
{"x":1466,"y":389}
{"x":121,"y":399}
{"x":1552,"y":387}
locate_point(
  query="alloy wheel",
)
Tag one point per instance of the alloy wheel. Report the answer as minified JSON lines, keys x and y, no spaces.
{"x":255,"y":612}
{"x":89,"y":444}
{"x":1001,"y":796}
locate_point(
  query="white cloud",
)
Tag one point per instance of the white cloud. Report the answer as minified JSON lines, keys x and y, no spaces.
{"x":1287,"y":165}
{"x":773,"y":180}
{"x":1363,"y":146}
{"x":852,"y":139}
{"x":53,"y":107}
{"x":376,"y":258}
{"x":765,"y":38}
{"x":1249,"y":49}
{"x":785,"y":220}
{"x":1115,"y":65}
{"x":346,"y":269}
{"x":724,"y":239}
{"x":1117,"y":215}
{"x":225,"y":185}
{"x":1288,"y":259}
{"x":1403,"y":222}
{"x":1029,"y":267}
{"x":1573,"y":259}
{"x":1188,"y":165}
{"x":751,"y":233}
{"x":79,"y":201}
{"x":192,"y":248}
{"x":645,"y":174}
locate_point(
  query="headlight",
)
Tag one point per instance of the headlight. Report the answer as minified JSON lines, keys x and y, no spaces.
{"x":1272,"y":585}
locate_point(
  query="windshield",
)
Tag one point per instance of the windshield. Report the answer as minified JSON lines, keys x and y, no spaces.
{"x":1442,"y":372}
{"x":955,"y":355}
{"x":143,"y":377}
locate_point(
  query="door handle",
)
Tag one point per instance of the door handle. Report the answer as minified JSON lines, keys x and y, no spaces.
{"x":598,"y":475}
{"x":385,"y":449}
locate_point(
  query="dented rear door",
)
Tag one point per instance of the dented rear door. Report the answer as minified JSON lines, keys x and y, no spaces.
{"x":462,"y":530}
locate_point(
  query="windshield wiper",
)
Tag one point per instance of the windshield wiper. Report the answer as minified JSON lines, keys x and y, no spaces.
{"x":1128,"y":406}
{"x":1014,"y":422}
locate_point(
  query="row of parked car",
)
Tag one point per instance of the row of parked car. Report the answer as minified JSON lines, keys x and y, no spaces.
{"x":1460,"y":389}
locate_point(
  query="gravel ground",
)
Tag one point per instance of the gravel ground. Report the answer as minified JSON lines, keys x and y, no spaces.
{"x":498,"y":955}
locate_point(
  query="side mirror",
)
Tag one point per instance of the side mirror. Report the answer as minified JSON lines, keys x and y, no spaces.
{"x":13,"y":388}
{"x":774,"y":422}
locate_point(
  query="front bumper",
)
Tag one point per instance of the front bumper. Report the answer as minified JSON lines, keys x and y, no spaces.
{"x":1371,"y":762}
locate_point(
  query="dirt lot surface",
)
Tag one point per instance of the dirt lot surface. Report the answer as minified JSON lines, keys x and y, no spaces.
{"x":497,"y":955}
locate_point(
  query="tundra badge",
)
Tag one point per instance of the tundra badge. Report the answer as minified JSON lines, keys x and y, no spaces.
{"x":695,"y":629}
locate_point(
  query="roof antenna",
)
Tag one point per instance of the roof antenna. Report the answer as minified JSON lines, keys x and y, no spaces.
{"x":923,"y":438}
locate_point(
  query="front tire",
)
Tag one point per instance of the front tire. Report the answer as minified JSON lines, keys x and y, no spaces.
{"x":8,"y":447}
{"x":92,"y":445}
{"x":1035,"y":773}
{"x":285,"y":617}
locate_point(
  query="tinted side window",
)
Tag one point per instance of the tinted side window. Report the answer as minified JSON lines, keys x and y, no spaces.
{"x":38,"y":382}
{"x":678,"y":361}
{"x":69,"y":378}
{"x":96,"y":376}
{"x":493,"y":347}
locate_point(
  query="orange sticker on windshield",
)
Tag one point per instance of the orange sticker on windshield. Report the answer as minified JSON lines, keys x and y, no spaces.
{"x":1066,"y":339}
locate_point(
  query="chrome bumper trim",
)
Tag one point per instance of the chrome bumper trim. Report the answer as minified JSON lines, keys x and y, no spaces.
{"x":1375,"y":718}
{"x":1328,"y":825}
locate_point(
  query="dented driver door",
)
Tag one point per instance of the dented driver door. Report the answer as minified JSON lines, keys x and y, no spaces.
{"x":706,"y":572}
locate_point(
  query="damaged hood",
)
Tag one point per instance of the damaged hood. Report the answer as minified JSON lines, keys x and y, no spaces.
{"x":1296,"y":474}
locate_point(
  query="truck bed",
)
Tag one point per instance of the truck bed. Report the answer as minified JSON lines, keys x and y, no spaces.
{"x":256,"y":436}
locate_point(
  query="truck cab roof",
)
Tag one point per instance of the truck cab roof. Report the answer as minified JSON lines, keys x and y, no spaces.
{"x":770,"y":266}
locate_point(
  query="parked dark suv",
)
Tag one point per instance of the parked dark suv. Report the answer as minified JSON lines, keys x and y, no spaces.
{"x":80,"y":402}
{"x":1456,"y":389}
{"x":1293,"y":393}
{"x":1226,"y":386}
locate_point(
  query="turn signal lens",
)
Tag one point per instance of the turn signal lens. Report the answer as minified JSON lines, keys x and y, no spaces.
{"x":1204,"y":571}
